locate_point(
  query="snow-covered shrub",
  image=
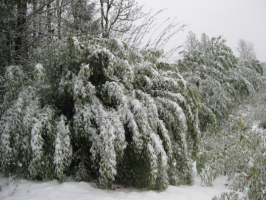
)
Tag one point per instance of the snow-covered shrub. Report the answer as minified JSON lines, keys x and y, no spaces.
{"x":222,"y":80}
{"x":63,"y":150}
{"x":246,"y":155}
{"x":115,"y":110}
{"x":245,"y":165}
{"x":27,"y":129}
{"x":238,"y":151}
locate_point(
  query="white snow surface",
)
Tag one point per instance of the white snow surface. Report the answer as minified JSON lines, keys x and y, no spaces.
{"x":52,"y":190}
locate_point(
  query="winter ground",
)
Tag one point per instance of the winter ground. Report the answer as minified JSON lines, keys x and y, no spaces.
{"x":52,"y":190}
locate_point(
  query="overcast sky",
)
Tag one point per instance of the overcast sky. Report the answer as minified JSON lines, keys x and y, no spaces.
{"x":233,"y":19}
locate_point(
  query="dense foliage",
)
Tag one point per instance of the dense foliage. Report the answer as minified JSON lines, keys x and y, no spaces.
{"x":221,"y":79}
{"x":237,"y":148}
{"x":100,"y":109}
{"x":245,"y":158}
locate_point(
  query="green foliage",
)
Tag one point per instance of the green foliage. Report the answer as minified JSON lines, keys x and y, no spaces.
{"x":222,"y":81}
{"x":28,"y":128}
{"x":101,"y":109}
{"x":239,"y":152}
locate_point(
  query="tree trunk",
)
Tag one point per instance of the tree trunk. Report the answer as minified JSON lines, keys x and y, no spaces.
{"x":102,"y":19}
{"x":21,"y":21}
{"x":34,"y":23}
{"x":59,"y":17}
{"x":49,"y":20}
{"x":9,"y":47}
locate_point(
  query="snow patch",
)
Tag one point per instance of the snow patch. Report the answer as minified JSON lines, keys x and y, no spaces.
{"x":24,"y":190}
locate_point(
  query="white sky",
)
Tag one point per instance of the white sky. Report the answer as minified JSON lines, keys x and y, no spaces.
{"x":233,"y":19}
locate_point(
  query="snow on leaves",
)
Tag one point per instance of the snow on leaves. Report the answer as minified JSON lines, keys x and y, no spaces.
{"x":223,"y":81}
{"x":124,"y":108}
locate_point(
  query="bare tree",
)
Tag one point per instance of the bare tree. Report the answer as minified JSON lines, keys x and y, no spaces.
{"x":147,"y":33}
{"x":246,"y":50}
{"x":117,"y":16}
{"x":191,"y":42}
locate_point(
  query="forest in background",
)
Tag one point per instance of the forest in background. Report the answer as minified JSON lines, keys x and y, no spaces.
{"x":84,"y":94}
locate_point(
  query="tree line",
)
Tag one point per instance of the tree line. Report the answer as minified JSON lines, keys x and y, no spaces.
{"x":27,"y":24}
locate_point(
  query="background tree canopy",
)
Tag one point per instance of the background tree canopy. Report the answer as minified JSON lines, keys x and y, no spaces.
{"x":222,"y":80}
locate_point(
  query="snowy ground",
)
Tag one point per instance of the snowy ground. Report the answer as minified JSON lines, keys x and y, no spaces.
{"x":52,"y":190}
